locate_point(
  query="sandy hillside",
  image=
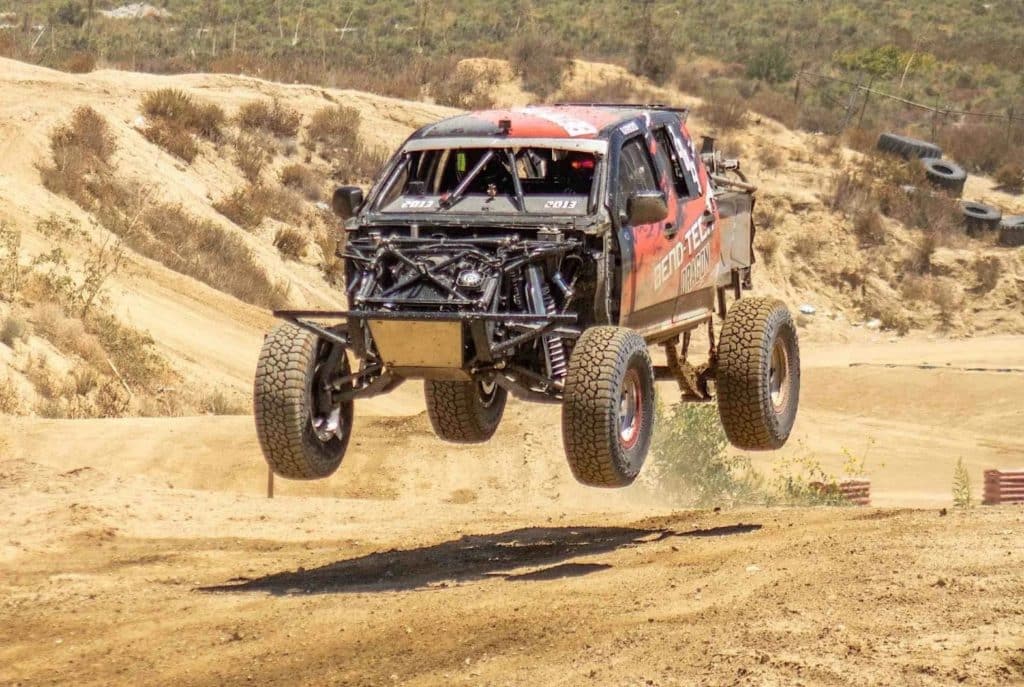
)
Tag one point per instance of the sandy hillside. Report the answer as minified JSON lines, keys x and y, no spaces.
{"x":143,"y":551}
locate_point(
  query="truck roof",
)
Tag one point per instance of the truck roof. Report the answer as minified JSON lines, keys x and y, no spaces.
{"x":575,"y":120}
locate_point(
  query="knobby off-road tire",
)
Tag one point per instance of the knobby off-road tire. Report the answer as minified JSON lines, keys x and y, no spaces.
{"x":945,"y":174}
{"x":906,"y":147}
{"x":758,"y":375}
{"x":284,"y":406}
{"x":464,"y":412}
{"x":608,"y":407}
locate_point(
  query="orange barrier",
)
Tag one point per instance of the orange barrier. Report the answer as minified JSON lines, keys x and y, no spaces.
{"x":1004,"y":486}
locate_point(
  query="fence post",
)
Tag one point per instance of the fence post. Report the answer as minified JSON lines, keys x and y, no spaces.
{"x":270,"y":483}
{"x":864,"y":105}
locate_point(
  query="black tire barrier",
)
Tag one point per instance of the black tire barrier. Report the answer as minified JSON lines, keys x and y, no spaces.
{"x":906,"y":147}
{"x":979,"y":217}
{"x":945,"y":174}
{"x":1011,"y":231}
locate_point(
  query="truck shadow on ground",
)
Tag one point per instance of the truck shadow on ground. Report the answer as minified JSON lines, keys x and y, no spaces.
{"x":469,"y":558}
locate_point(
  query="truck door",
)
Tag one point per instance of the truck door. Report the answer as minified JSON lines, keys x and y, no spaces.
{"x":650,"y":288}
{"x":696,"y":240}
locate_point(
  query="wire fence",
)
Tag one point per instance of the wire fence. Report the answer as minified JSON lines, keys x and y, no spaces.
{"x":861,"y":92}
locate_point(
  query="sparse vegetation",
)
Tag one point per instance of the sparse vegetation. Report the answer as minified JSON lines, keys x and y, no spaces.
{"x":176,"y":118}
{"x":13,"y":329}
{"x":724,"y":111}
{"x":302,"y":179}
{"x":465,"y":87}
{"x":250,"y":157}
{"x":175,"y":107}
{"x":249,"y":206}
{"x":333,"y":130}
{"x":692,"y":465}
{"x":541,"y":60}
{"x":962,"y":497}
{"x":80,"y":150}
{"x":1011,"y":177}
{"x":271,"y":117}
{"x":291,"y":243}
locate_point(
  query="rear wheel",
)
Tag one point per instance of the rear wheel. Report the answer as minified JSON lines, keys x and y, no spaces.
{"x":608,"y":407}
{"x":758,"y":374}
{"x":302,"y":432}
{"x":464,"y":412}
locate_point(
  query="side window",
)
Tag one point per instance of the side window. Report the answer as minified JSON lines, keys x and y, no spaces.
{"x":635,"y":173}
{"x":668,"y":159}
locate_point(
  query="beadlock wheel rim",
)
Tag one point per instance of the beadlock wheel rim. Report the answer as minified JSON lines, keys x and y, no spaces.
{"x":778,"y":376}
{"x":630,"y":410}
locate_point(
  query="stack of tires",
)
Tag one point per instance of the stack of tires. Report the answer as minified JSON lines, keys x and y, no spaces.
{"x":950,"y":177}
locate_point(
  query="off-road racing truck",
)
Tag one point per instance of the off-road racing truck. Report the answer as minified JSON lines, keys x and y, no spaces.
{"x":538,"y":252}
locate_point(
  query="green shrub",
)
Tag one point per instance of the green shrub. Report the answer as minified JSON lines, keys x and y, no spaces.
{"x":691,"y":465}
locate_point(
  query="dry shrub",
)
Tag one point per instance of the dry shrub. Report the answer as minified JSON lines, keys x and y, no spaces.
{"x":869,"y":226}
{"x":360,"y":164}
{"x":853,"y":195}
{"x":332,"y":266}
{"x":10,"y":402}
{"x":249,"y":206}
{"x":1011,"y":177}
{"x":466,"y":87}
{"x":902,"y":193}
{"x":917,"y":288}
{"x":767,"y":244}
{"x":303,"y":180}
{"x":271,"y":117}
{"x":771,"y":157}
{"x":949,"y":299}
{"x":10,"y":272}
{"x":806,"y":245}
{"x":67,"y":334}
{"x":776,"y":106}
{"x":333,"y":130}
{"x":219,"y":403}
{"x":250,"y":157}
{"x":291,"y":243}
{"x":173,"y":138}
{"x":980,"y":147}
{"x":202,"y":250}
{"x":724,"y":111}
{"x":13,"y":329}
{"x":179,"y":109}
{"x":987,"y":269}
{"x":861,"y":139}
{"x":80,"y":151}
{"x":541,"y":60}
{"x":79,"y":62}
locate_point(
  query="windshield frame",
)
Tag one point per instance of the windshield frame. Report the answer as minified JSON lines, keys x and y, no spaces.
{"x":597,"y":147}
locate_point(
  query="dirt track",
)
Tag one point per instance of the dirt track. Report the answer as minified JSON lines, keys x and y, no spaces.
{"x":140,"y":551}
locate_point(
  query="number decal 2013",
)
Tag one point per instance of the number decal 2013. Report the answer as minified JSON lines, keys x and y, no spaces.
{"x":560,"y":205}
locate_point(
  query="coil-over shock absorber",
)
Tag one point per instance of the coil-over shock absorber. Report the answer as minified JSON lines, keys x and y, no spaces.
{"x":543,"y":303}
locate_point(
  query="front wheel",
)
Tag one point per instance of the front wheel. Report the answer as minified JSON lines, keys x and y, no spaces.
{"x":608,"y":407}
{"x":302,"y":432}
{"x":758,"y":374}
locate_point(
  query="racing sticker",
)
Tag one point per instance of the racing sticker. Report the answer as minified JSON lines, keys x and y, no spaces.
{"x":572,"y":125}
